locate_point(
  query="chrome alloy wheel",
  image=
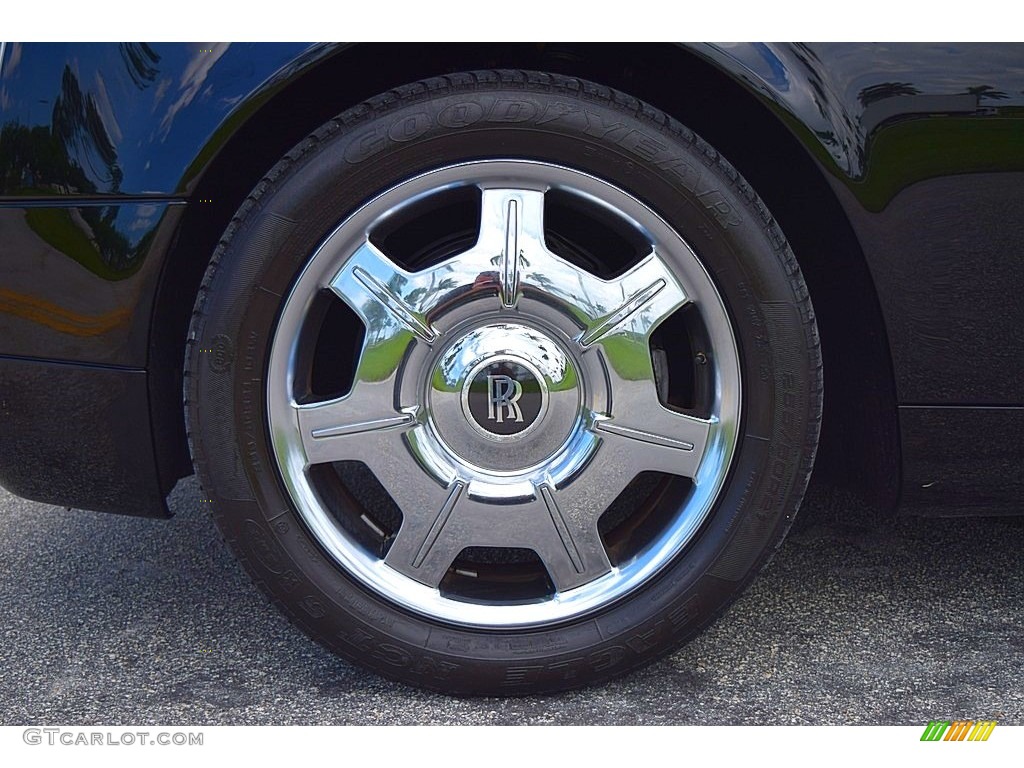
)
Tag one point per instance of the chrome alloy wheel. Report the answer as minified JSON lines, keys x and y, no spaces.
{"x":504,"y":396}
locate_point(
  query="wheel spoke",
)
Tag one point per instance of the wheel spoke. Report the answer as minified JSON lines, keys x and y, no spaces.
{"x":430,"y":537}
{"x":385,"y":296}
{"x":626,"y":309}
{"x":510,"y":256}
{"x":650,"y":436}
{"x":633,"y":305}
{"x":607,"y":324}
{"x":511,"y":234}
{"x":571,"y":547}
{"x":394,"y":303}
{"x":547,"y":494}
{"x":435,"y":532}
{"x":338,"y":429}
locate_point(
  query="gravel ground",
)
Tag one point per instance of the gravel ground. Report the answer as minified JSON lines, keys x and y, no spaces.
{"x":858,"y":619}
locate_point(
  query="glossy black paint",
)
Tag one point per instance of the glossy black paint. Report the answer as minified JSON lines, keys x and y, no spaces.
{"x":898,"y":171}
{"x":121,"y":131}
{"x":77,"y":280}
{"x":924,"y":146}
{"x":128,"y":118}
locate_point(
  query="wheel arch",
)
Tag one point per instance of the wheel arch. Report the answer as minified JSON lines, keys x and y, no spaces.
{"x":751,"y":125}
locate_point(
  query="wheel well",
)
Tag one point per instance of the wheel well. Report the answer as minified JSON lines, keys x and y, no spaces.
{"x":859,"y":442}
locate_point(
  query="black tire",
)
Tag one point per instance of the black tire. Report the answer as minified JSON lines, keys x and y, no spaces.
{"x":479,"y":115}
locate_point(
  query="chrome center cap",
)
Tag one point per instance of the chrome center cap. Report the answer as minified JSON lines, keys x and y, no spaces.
{"x":504,"y":396}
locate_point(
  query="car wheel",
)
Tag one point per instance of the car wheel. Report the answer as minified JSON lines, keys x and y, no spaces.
{"x":503,"y":382}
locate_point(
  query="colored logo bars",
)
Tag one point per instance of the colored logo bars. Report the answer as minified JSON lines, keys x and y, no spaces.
{"x":958,"y":730}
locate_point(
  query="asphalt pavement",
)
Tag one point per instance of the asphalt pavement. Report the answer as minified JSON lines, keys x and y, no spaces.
{"x":858,"y":619}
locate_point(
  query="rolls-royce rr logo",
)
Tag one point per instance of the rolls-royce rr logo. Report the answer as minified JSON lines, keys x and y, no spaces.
{"x":503,"y":398}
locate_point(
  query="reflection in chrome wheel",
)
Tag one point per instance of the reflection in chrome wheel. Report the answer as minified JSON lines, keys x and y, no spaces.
{"x":504,"y":396}
{"x":518,"y":384}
